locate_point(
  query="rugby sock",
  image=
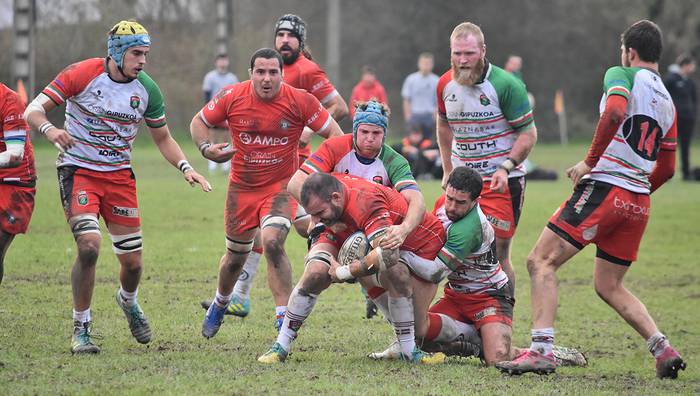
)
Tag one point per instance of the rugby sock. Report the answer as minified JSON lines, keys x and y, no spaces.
{"x":222,"y":300}
{"x":128,"y":298}
{"x":82,"y":316}
{"x":381,"y":299}
{"x":443,"y":328}
{"x":542,"y":340}
{"x":280,"y":311}
{"x":657,"y":343}
{"x":245,"y":279}
{"x":298,"y":309}
{"x":402,"y":319}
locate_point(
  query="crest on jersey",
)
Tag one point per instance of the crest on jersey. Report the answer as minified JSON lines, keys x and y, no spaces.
{"x":82,"y":198}
{"x":284,"y":124}
{"x":135,"y":101}
{"x":378,"y":179}
{"x":484,"y":100}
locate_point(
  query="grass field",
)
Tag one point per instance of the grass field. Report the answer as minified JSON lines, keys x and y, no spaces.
{"x":183,"y":234}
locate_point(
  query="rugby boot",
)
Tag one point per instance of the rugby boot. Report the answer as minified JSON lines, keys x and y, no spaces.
{"x":82,"y":339}
{"x":276,"y":354}
{"x":529,"y":362}
{"x":565,"y":356}
{"x":669,"y":363}
{"x":213,"y":320}
{"x":238,"y":307}
{"x":393,"y":352}
{"x":420,"y":357}
{"x":138,"y":324}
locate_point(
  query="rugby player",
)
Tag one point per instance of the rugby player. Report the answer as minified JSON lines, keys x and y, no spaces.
{"x":632,"y":155}
{"x":485,"y":123}
{"x":106,"y":100}
{"x":346,"y":204}
{"x":17,"y":172}
{"x":266,"y":118}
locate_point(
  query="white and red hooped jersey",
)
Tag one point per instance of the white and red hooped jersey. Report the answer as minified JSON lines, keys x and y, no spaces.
{"x":103,"y":115}
{"x":14,"y":128}
{"x":485,"y":118}
{"x":648,"y":126}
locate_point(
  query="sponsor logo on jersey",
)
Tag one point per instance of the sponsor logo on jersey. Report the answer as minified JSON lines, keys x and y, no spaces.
{"x":490,"y":311}
{"x":125,"y":212}
{"x":134,"y":102}
{"x":451,"y":98}
{"x":82,"y":198}
{"x":477,"y":165}
{"x":484,"y":100}
{"x":476,"y":146}
{"x":263,"y":140}
{"x":284,"y":124}
{"x":97,"y":94}
{"x":378,"y":179}
{"x":104,"y":138}
{"x":108,"y":153}
{"x":317,"y":158}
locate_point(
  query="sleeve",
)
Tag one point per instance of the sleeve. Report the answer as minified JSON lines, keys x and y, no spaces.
{"x":155,"y":111}
{"x":617,"y":82}
{"x":69,"y":82}
{"x":320,"y":86}
{"x":438,"y":203}
{"x":13,"y":116}
{"x":378,"y":220}
{"x":515,"y":104}
{"x":462,"y":239}
{"x":313,"y":113}
{"x":442,"y":82}
{"x":216,"y":111}
{"x":321,"y":160}
{"x":399,"y":170}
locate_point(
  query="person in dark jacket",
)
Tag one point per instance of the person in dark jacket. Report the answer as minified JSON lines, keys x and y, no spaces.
{"x":682,"y":90}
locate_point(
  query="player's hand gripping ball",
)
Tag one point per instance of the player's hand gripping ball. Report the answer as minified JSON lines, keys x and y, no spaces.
{"x":355,"y":247}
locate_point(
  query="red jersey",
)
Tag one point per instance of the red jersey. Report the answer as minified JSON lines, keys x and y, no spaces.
{"x":265,"y":133}
{"x":13,"y":127}
{"x":371,"y":208}
{"x":364,"y":93}
{"x":307,"y":75}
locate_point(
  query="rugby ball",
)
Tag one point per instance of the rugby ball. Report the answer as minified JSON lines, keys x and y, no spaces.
{"x":355,"y":247}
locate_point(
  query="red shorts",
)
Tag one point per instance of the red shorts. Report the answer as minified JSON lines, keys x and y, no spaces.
{"x":110,"y":194}
{"x":16,"y":207}
{"x":503,"y":209}
{"x":246,"y":209}
{"x":477,"y":308}
{"x":609,"y":216}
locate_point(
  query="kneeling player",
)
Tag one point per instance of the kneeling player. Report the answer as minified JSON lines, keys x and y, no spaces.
{"x":17,"y":174}
{"x":345,"y":204}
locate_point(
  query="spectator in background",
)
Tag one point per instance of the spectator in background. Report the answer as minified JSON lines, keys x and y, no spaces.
{"x":422,"y":154}
{"x":514,"y":66}
{"x":682,"y":90}
{"x":368,"y":88}
{"x":214,"y":81}
{"x":419,"y":96}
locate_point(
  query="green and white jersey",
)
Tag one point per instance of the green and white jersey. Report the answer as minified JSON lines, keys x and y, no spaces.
{"x":470,"y":252}
{"x":103,"y":115}
{"x":630,"y":157}
{"x":485,"y":119}
{"x":338,"y":155}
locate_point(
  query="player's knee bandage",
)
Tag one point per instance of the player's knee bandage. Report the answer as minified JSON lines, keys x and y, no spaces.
{"x":129,"y":243}
{"x":239,"y":247}
{"x":276,"y":221}
{"x":322,"y":256}
{"x":84,"y":224}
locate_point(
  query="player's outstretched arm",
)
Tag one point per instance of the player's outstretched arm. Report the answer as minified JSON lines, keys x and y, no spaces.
{"x":444,"y":140}
{"x":172,"y":152}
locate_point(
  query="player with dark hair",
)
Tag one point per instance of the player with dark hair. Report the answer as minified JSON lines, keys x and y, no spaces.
{"x":632,"y":155}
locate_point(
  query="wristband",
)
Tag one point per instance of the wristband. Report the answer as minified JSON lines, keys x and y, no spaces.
{"x":45,"y":127}
{"x":184,"y":166}
{"x":508,"y":165}
{"x":203,"y":147}
{"x":343,"y":273}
